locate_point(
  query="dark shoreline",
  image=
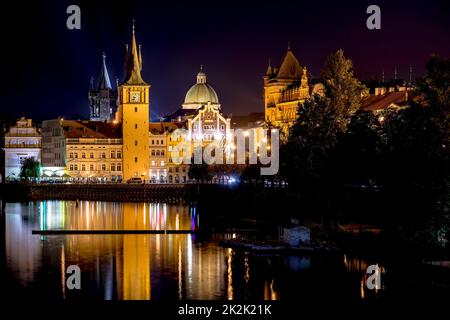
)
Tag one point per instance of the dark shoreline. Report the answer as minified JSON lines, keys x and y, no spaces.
{"x":240,"y":206}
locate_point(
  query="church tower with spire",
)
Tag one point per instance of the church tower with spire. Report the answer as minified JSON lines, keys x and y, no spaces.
{"x":133,"y":114}
{"x":102,"y":97}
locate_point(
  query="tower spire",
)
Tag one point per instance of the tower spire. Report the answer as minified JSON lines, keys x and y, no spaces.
{"x":91,"y":84}
{"x":269,"y":70}
{"x":133,"y":74}
{"x":103,"y":80}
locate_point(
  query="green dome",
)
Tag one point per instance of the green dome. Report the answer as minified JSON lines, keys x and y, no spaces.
{"x":201,"y":92}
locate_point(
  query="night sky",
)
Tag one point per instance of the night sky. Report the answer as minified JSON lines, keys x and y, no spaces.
{"x":46,"y":67}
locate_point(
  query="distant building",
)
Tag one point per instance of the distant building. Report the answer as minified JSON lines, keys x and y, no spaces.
{"x":102,"y":97}
{"x":201,"y":112}
{"x":390,"y":96}
{"x":21,"y":141}
{"x":82,"y":150}
{"x":285,"y":90}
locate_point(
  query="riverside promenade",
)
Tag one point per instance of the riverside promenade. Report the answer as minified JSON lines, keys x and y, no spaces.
{"x":168,"y":193}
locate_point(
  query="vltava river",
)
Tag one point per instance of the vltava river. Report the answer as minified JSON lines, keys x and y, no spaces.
{"x":159,"y":266}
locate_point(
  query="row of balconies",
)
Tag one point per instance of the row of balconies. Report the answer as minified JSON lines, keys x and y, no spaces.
{"x":22,"y":145}
{"x":93,"y":141}
{"x":20,"y":135}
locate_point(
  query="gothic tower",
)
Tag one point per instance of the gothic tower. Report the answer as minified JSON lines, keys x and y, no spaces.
{"x":285,"y":89}
{"x":102,"y":98}
{"x":134,"y":116}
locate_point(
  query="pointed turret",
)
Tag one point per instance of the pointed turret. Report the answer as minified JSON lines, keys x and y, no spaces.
{"x":290,"y":67}
{"x":133,"y":64}
{"x":103,"y":80}
{"x":269,"y":70}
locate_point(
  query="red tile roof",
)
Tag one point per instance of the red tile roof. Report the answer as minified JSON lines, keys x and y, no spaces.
{"x":91,"y":129}
{"x":161,"y":127}
{"x":384,"y":101}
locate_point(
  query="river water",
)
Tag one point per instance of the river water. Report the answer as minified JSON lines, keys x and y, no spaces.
{"x":173,"y":266}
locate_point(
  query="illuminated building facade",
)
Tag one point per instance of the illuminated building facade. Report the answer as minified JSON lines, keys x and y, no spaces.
{"x":285,"y":90}
{"x":82,"y":150}
{"x":134,"y":117}
{"x":21,"y":141}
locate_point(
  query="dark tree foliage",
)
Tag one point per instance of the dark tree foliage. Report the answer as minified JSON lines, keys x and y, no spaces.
{"x":390,"y":167}
{"x":315,"y":134}
{"x":31,"y":168}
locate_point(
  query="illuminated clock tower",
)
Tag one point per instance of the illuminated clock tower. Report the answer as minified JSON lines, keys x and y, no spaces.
{"x":133,"y":114}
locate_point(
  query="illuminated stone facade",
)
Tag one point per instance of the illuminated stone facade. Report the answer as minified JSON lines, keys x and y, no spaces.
{"x":285,"y":90}
{"x":22,"y":141}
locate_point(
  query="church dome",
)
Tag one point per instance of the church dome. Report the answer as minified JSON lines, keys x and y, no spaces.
{"x":201,"y":92}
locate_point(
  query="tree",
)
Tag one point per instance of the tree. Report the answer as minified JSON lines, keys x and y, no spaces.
{"x":320,"y":122}
{"x":30,"y":168}
{"x":416,"y":160}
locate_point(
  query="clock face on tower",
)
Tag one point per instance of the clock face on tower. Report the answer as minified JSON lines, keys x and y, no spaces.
{"x":135,"y":97}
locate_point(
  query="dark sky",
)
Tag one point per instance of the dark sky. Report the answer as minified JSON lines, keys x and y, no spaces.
{"x":46,"y":67}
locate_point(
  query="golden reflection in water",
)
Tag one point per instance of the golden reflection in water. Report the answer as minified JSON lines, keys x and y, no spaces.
{"x":269,"y":290}
{"x":97,"y":215}
{"x":136,"y":252}
{"x":230,"y":274}
{"x":118,"y":266}
{"x":359,"y":266}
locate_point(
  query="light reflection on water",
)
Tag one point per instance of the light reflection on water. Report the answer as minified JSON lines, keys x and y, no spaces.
{"x":156,"y":266}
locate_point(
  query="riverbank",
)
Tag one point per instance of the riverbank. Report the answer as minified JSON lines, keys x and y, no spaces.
{"x":167,"y":193}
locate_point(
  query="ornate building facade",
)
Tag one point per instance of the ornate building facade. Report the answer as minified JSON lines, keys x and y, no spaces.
{"x":286,"y":87}
{"x":82,"y":150}
{"x":21,"y":141}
